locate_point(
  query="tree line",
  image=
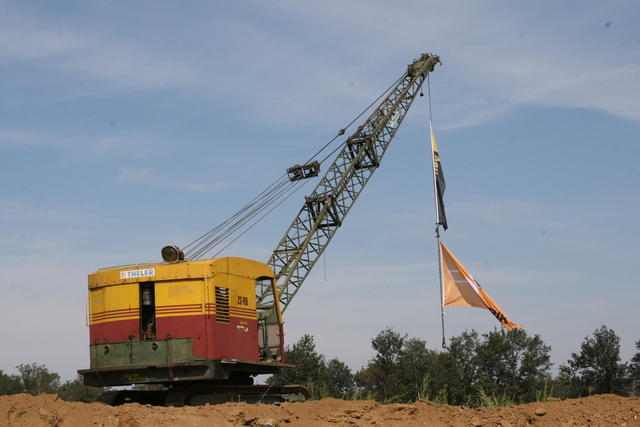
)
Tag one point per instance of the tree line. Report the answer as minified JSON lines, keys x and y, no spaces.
{"x":36,"y":379}
{"x":492,"y":369}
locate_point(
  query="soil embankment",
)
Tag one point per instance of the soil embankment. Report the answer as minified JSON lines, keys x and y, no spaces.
{"x":49,"y":410}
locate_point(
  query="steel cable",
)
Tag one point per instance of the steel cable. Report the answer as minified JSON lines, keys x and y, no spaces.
{"x":275,"y":194}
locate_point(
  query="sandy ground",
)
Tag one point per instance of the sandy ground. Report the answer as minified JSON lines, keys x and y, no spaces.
{"x":49,"y":410}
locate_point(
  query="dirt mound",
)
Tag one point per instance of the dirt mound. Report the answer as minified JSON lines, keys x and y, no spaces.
{"x":49,"y":410}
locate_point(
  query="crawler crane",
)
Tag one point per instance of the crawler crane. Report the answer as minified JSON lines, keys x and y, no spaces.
{"x":204,"y":328}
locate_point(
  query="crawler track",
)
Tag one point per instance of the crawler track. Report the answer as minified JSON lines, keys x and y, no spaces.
{"x":198,"y":395}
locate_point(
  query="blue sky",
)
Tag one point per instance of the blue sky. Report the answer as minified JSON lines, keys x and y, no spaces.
{"x":127,"y":126}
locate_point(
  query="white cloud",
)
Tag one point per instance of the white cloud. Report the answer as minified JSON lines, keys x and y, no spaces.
{"x":150,"y":178}
{"x":13,"y":138}
{"x":24,"y":212}
{"x":495,"y":58}
{"x":86,"y":54}
{"x":505,"y":55}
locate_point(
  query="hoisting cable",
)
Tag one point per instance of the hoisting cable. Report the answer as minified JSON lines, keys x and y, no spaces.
{"x":429,"y":96}
{"x":302,"y":183}
{"x":278,"y":192}
{"x":205,"y":238}
{"x":342,"y":131}
{"x":441,"y":277}
{"x":258,"y":204}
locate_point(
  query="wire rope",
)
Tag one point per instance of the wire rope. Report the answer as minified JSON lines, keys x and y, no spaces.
{"x":268,"y":200}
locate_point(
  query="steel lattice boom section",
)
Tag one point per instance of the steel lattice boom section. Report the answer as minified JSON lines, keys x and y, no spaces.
{"x":325,"y":209}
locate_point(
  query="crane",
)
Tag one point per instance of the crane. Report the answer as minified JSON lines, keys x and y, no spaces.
{"x":204,"y":328}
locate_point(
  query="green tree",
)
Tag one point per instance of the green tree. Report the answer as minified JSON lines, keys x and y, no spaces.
{"x":311,"y":369}
{"x":634,"y":371}
{"x":36,"y":379}
{"x":10,"y":384}
{"x":339,"y":378}
{"x":417,"y":370}
{"x":597,"y":368}
{"x":462,"y":367}
{"x":503,"y":365}
{"x":308,"y":364}
{"x":404,"y":370}
{"x":512,"y":364}
{"x":382,"y":374}
{"x":76,"y":391}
